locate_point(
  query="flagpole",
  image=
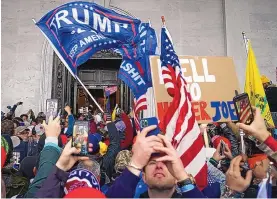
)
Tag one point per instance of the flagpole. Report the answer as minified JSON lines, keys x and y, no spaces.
{"x":68,"y":68}
{"x":205,"y":135}
{"x":245,"y":41}
{"x":241,"y":133}
{"x":163,"y":20}
{"x":149,"y":22}
{"x":89,"y":93}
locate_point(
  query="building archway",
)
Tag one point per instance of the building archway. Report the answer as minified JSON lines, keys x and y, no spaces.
{"x":97,"y":73}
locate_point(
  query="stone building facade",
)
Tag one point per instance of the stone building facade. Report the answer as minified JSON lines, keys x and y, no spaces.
{"x":198,"y":27}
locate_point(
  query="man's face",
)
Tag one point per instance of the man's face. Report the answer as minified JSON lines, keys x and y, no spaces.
{"x":29,"y":133}
{"x":24,"y":135}
{"x":260,"y":168}
{"x":24,"y":118}
{"x":157,"y":176}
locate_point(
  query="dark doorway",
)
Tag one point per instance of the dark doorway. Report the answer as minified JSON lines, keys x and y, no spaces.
{"x":97,"y":73}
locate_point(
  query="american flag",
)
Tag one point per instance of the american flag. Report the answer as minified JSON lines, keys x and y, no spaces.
{"x":245,"y":111}
{"x":179,"y":123}
{"x":139,"y":105}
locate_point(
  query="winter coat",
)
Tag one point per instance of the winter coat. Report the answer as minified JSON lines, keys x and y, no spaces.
{"x":47,"y":161}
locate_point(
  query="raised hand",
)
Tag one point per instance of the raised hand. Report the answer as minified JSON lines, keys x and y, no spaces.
{"x":234,"y":180}
{"x":216,"y":155}
{"x":53,"y":128}
{"x":227,"y":152}
{"x":67,"y":159}
{"x":257,"y":128}
{"x":144,"y":147}
{"x":68,"y":110}
{"x":171,"y":159}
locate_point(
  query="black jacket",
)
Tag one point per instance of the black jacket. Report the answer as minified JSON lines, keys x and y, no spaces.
{"x":108,"y":160}
{"x":41,"y":142}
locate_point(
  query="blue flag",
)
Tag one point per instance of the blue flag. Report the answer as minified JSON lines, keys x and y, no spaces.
{"x":77,"y":30}
{"x":135,"y":68}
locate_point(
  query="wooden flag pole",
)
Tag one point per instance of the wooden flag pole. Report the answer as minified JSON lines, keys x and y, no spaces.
{"x":163,"y":20}
{"x":89,"y":94}
{"x":205,"y":135}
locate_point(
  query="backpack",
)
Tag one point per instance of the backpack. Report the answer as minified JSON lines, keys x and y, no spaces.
{"x":15,"y":184}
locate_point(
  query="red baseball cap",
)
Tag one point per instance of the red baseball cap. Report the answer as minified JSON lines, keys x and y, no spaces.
{"x":216,"y":141}
{"x":85,"y":192}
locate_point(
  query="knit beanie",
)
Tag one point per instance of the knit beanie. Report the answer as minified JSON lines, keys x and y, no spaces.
{"x":122,"y":159}
{"x":80,"y":178}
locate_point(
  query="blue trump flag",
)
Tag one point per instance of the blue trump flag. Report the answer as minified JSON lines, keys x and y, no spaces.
{"x":135,"y":68}
{"x":77,"y":30}
{"x":147,"y":45}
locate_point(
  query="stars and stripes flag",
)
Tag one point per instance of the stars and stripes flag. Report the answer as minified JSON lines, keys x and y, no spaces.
{"x":245,"y":111}
{"x":139,"y":105}
{"x":179,"y":123}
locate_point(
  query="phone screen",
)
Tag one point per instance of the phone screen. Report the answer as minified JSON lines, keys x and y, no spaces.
{"x":51,"y":108}
{"x":243,"y":108}
{"x":80,"y":137}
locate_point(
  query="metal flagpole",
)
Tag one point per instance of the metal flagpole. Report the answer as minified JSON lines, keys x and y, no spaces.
{"x":242,"y":144}
{"x":75,"y":76}
{"x":245,"y":41}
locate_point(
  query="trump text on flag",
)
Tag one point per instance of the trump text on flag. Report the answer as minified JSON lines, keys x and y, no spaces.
{"x":81,"y":15}
{"x":77,"y":30}
{"x":211,"y":81}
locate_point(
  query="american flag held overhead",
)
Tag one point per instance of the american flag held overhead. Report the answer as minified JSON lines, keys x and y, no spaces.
{"x":179,"y":122}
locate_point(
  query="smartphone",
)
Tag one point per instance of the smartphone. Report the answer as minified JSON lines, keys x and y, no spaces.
{"x":243,"y":108}
{"x":145,"y":122}
{"x":222,"y":147}
{"x":51,"y":108}
{"x":245,"y":168}
{"x":80,"y":137}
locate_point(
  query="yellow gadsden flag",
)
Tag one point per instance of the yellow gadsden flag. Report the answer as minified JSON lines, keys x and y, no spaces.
{"x":254,"y":86}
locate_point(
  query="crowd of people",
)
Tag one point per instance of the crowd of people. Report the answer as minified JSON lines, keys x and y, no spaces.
{"x":38,"y":160}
